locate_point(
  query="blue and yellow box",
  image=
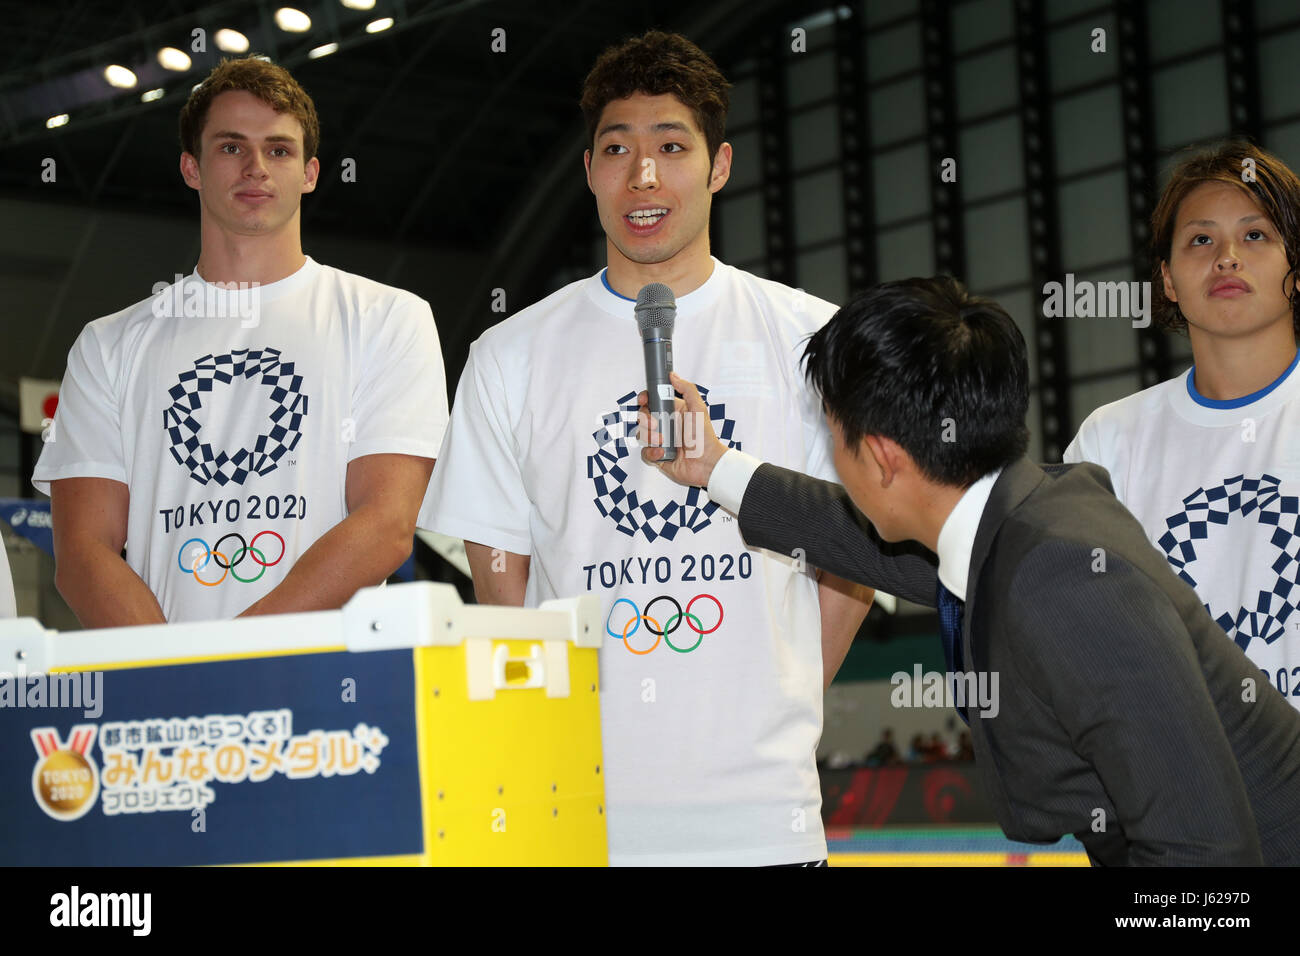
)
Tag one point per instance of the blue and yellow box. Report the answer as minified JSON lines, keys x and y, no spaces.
{"x":406,"y":729}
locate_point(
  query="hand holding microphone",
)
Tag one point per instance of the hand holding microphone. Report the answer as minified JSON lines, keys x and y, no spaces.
{"x":702,"y":447}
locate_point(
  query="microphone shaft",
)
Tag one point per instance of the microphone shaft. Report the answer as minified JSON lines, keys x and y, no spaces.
{"x":658,"y":365}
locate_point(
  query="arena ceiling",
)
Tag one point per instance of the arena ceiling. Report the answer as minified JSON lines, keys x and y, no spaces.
{"x":451,"y":140}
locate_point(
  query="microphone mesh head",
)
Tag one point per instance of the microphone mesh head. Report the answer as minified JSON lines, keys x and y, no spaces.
{"x":656,"y":308}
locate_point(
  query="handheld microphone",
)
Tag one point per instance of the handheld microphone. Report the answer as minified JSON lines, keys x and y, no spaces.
{"x":656,"y":311}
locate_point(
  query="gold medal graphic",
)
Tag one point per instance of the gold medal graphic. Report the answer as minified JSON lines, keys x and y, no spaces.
{"x":66,"y":780}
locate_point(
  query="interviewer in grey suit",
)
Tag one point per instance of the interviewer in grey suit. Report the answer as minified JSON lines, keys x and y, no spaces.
{"x":1125,"y":716}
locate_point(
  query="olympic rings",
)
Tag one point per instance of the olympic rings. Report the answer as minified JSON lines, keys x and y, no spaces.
{"x":633,"y":623}
{"x":247,"y":549}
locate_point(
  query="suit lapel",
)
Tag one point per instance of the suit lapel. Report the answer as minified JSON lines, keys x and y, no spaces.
{"x":1014,"y":485}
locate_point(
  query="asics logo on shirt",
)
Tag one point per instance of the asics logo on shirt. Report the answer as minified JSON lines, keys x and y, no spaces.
{"x":278,"y":435}
{"x":616,"y":495}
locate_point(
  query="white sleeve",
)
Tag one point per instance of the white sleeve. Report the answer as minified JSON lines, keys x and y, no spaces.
{"x":478,"y":492}
{"x":1085,"y":445}
{"x":730,"y":478}
{"x":85,"y":440}
{"x":399,"y":403}
{"x":8,"y":604}
{"x":820,"y":462}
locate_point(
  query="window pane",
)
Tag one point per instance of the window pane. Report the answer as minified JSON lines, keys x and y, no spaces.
{"x":1180,"y":26}
{"x":818,"y":211}
{"x":893,"y":51}
{"x":902,"y":185}
{"x":1088,"y":131}
{"x":897,"y":112}
{"x":979,"y":22}
{"x":990,"y":158}
{"x":822,"y":273}
{"x":1094,"y":221}
{"x":1191,"y":102}
{"x":1070,"y":59}
{"x":986,"y":83}
{"x":997,"y":247}
{"x":904,"y":252}
{"x":814,"y":138}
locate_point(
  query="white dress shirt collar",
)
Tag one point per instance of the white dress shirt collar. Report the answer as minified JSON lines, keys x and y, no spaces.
{"x":957,"y":536}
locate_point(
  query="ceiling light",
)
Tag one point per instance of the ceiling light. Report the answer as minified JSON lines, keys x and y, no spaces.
{"x":120,"y":77}
{"x":173,"y":59}
{"x":232,"y":41}
{"x":292,"y":21}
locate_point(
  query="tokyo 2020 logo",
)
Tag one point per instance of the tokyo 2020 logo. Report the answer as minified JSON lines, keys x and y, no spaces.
{"x":616,"y":495}
{"x":279,"y":435}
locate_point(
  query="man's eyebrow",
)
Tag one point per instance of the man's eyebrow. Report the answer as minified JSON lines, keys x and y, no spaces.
{"x":669,"y":127}
{"x":1212,"y":222}
{"x":231,"y":134}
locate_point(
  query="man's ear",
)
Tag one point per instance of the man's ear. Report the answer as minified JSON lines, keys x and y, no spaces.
{"x":311,"y":173}
{"x":586,"y":164}
{"x":190,"y":171}
{"x":885,"y":454}
{"x":721,"y":171}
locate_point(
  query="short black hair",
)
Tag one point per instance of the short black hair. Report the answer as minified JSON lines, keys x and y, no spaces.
{"x":939,"y":371}
{"x":658,"y":63}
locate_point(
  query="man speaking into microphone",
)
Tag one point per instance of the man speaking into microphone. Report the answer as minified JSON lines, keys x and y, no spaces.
{"x":715,"y":654}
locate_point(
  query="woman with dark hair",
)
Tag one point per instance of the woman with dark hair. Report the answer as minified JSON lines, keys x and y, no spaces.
{"x":1209,"y":462}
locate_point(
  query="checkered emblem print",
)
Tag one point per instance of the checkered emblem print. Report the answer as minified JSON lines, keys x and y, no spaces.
{"x":622,"y":504}
{"x":283,"y":427}
{"x":1242,"y":499}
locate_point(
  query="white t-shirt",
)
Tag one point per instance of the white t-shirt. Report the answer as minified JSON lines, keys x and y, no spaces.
{"x":1216,"y":486}
{"x":233,"y":429}
{"x":709,"y":737}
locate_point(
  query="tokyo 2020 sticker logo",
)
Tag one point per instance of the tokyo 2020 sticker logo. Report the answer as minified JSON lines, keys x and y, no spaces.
{"x":618,"y":501}
{"x":65,"y":780}
{"x":279,"y":436}
{"x":1242,"y":499}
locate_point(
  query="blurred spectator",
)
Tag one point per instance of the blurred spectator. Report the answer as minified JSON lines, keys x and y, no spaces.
{"x":936,"y":749}
{"x":916,"y":750}
{"x":965,"y":750}
{"x":884,"y":754}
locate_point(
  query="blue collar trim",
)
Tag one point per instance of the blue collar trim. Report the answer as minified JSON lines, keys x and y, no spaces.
{"x":605,"y":282}
{"x":1245,"y":400}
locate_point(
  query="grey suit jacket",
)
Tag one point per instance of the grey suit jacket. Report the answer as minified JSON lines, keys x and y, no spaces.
{"x":1126,"y":716}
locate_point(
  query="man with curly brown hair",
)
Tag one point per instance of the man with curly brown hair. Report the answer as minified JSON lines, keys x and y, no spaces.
{"x":258,"y":434}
